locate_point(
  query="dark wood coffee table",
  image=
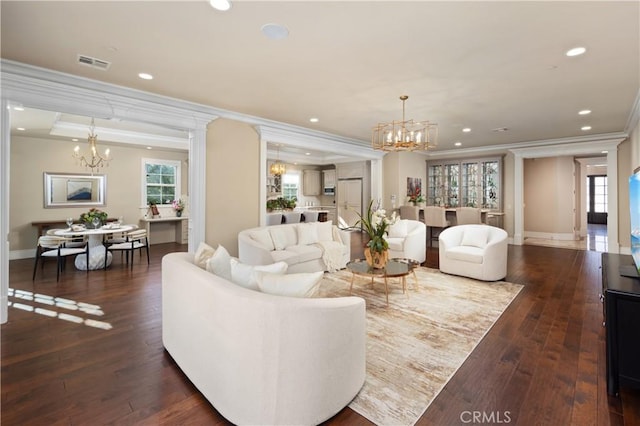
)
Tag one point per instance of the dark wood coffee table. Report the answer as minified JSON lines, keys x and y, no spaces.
{"x":395,"y":268}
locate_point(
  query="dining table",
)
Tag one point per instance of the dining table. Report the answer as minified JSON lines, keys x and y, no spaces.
{"x":95,"y":236}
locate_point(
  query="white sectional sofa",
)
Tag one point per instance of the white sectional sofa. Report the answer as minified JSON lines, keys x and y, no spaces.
{"x":262,"y":359}
{"x":407,"y":239}
{"x":302,"y":246}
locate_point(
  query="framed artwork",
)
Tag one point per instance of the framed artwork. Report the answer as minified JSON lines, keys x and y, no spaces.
{"x":414,"y":187}
{"x":74,"y":190}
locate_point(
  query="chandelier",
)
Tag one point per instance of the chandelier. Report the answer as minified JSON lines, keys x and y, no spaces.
{"x":277,"y":168}
{"x":94,"y":160}
{"x":405,"y":135}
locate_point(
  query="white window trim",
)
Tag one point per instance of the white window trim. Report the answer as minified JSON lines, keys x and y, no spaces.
{"x":143,"y":177}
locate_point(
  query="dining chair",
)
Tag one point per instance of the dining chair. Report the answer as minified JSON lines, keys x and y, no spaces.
{"x":311,"y":215}
{"x":135,"y":240}
{"x":435,"y":217}
{"x":410,"y":212}
{"x":468,"y":216}
{"x":292,"y":217}
{"x":274,"y":219}
{"x":78,"y":241}
{"x":50,"y":246}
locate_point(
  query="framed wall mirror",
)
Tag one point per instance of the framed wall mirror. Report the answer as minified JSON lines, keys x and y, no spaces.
{"x":74,"y":190}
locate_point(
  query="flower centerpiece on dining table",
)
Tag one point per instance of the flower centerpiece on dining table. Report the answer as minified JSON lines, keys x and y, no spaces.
{"x":178,"y":206}
{"x":376,"y":224}
{"x":93,"y":218}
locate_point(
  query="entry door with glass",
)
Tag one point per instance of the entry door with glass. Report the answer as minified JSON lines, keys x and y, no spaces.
{"x":597,"y":199}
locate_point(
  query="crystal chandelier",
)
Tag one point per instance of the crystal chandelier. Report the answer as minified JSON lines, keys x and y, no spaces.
{"x":405,"y":135}
{"x":94,"y":160}
{"x":277,"y":168}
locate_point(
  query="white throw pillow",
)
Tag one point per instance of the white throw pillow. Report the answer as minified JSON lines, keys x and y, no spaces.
{"x":476,"y":238}
{"x":262,"y":237}
{"x":283,"y":236}
{"x":324,"y":231}
{"x":204,"y":252}
{"x":220,"y":263}
{"x":245,"y":275}
{"x":293,"y":285}
{"x":398,"y":229}
{"x":307,"y":233}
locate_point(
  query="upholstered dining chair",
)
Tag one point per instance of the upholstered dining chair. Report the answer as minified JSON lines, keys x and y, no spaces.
{"x":311,"y":215}
{"x":135,"y":240}
{"x":410,"y":212}
{"x":53,"y":247}
{"x":292,"y":217}
{"x":468,"y":216}
{"x":435,"y":217}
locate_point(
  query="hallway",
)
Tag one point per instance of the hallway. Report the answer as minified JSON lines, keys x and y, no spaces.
{"x":596,"y":240}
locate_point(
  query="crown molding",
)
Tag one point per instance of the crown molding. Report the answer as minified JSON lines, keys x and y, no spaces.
{"x":634,"y":116}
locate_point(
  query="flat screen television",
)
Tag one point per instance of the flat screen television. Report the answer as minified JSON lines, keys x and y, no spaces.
{"x":634,"y":209}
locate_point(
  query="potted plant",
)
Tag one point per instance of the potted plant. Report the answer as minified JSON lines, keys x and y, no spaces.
{"x":178,"y":206}
{"x":93,"y":218}
{"x":376,"y":223}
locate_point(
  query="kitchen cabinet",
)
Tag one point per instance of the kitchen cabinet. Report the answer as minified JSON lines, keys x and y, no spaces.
{"x":329,"y":178}
{"x":311,"y":182}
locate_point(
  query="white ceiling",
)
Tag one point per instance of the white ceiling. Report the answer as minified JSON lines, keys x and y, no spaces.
{"x":482,"y":65}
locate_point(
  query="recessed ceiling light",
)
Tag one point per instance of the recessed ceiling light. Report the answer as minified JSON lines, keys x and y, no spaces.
{"x":275,"y":31}
{"x":576,"y":51}
{"x":18,"y":108}
{"x":22,"y":129}
{"x":466,"y":129}
{"x":585,"y":128}
{"x":220,"y":4}
{"x":585,"y":112}
{"x":307,"y":153}
{"x":604,"y":152}
{"x":145,"y":76}
{"x":74,"y":140}
{"x":314,"y":120}
{"x":458,"y":144}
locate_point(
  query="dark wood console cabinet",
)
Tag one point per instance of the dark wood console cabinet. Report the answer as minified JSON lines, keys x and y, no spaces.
{"x":622,"y":322}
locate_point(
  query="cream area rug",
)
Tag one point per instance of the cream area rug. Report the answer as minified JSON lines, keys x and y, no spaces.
{"x":416,"y":344}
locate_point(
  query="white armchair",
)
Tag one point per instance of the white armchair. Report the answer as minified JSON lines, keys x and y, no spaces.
{"x":474,"y":251}
{"x":408,"y":239}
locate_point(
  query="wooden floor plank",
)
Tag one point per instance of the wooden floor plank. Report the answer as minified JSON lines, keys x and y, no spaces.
{"x":543,"y":362}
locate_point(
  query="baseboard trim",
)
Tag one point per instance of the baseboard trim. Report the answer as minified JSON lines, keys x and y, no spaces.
{"x":569,"y":236}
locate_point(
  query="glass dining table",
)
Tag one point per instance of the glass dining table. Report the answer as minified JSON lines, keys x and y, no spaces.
{"x":97,"y":250}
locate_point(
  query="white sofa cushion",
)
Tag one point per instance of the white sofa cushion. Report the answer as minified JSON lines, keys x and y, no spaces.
{"x":307,"y":233}
{"x":468,"y":254}
{"x":262,"y":237}
{"x":325,"y":230}
{"x":476,"y":237}
{"x":306,"y":253}
{"x":220,"y":263}
{"x":203,"y":253}
{"x":398,"y":230}
{"x":245,"y":275}
{"x":290,"y":257}
{"x":304,"y":284}
{"x":283,"y":236}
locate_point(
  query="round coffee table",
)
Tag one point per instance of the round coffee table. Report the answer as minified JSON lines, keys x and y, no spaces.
{"x":395,"y":268}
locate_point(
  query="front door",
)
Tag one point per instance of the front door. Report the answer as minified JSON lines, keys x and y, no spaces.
{"x":349,"y":202}
{"x":597,"y":199}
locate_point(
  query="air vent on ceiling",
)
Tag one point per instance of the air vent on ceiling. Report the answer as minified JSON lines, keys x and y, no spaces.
{"x":93,"y":62}
{"x":500,"y":129}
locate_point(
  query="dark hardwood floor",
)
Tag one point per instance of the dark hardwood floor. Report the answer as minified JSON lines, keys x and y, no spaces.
{"x":543,"y":362}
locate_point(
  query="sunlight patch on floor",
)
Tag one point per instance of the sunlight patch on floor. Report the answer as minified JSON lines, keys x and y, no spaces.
{"x":58,"y":302}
